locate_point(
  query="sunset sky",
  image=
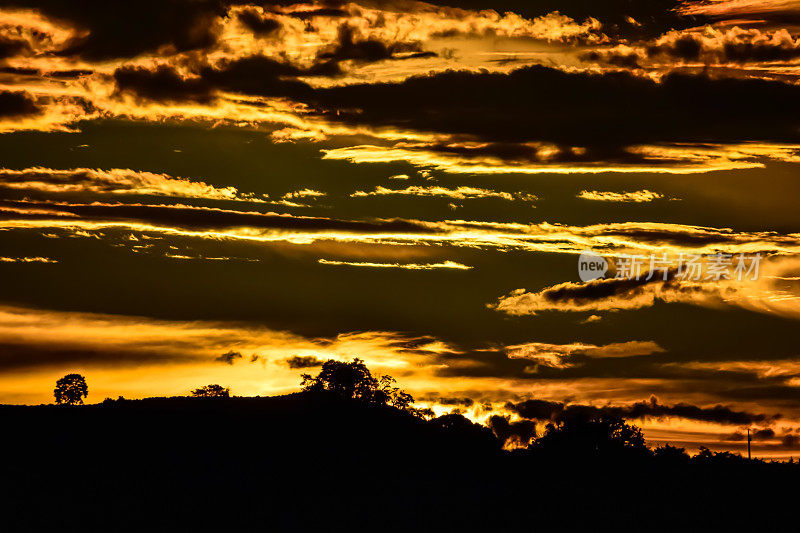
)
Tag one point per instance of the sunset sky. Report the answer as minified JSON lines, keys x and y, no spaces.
{"x":230,"y":192}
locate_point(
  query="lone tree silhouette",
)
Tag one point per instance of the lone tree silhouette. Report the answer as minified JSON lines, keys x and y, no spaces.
{"x":71,"y":390}
{"x":354,"y":381}
{"x":212,"y":391}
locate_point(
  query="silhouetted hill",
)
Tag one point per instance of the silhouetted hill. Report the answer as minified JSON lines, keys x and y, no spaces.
{"x":310,"y":462}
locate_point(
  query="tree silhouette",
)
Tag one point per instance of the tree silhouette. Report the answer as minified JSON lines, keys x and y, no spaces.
{"x":581,"y":434}
{"x":464,"y":427}
{"x":212,"y":391}
{"x":71,"y":389}
{"x":671,"y":454}
{"x":354,"y":381}
{"x":706,"y":456}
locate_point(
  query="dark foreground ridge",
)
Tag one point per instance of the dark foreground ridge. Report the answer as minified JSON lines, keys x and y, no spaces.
{"x":313,"y":462}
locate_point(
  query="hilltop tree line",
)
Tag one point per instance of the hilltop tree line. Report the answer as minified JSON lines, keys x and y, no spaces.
{"x":581,"y":434}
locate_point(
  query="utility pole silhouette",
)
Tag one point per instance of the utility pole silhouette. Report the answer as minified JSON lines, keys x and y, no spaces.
{"x":748,"y":444}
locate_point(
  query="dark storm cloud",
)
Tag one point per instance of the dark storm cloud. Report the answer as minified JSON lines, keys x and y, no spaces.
{"x":603,"y":113}
{"x":600,"y":289}
{"x":758,"y":434}
{"x":115,"y":29}
{"x":763,"y":434}
{"x":74,"y":73}
{"x":544,"y":410}
{"x":464,"y":402}
{"x":257,"y":23}
{"x":349,"y":47}
{"x":680,"y":238}
{"x":791,"y":442}
{"x":624,"y":60}
{"x":537,"y":409}
{"x":258,"y":74}
{"x":746,"y":52}
{"x":10,"y":47}
{"x":686,"y":47}
{"x":57,"y":74}
{"x":758,"y":49}
{"x":788,"y":441}
{"x":330,"y":12}
{"x":162,"y":84}
{"x":519,"y":433}
{"x":229,"y":357}
{"x":719,"y":414}
{"x":19,"y":71}
{"x":264,"y":76}
{"x":30,"y":355}
{"x":17,"y":104}
{"x":303,"y":361}
{"x":595,"y":110}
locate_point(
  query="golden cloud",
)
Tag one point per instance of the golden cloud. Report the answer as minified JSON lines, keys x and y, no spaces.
{"x":668,"y":159}
{"x":405,"y":266}
{"x":562,"y":355}
{"x":122,"y":347}
{"x":114,"y":181}
{"x":634,"y":196}
{"x":763,"y":295}
{"x":459,"y":193}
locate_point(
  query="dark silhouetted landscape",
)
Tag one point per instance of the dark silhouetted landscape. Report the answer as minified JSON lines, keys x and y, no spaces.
{"x":338,"y":456}
{"x":568,"y":229}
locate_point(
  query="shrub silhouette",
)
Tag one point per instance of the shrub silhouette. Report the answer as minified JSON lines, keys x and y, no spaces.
{"x":71,"y":390}
{"x":354,"y":381}
{"x":212,"y":391}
